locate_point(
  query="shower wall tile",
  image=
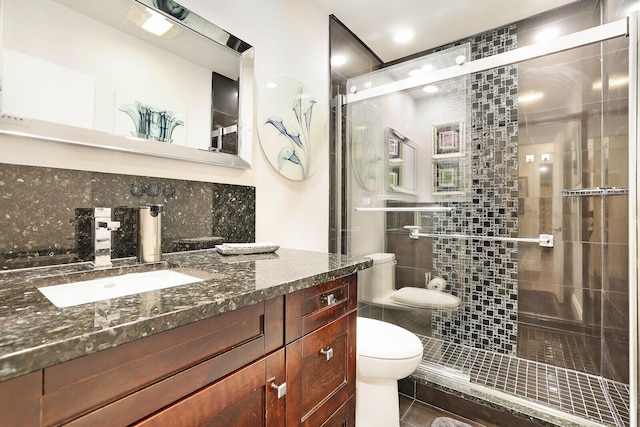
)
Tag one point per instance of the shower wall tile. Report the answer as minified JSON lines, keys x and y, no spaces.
{"x":43,"y":209}
{"x":592,"y":310}
{"x":617,"y":268}
{"x":615,"y":360}
{"x":413,"y":257}
{"x":615,"y":336}
{"x":486,"y":271}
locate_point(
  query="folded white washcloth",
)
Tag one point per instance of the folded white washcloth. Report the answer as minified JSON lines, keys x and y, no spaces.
{"x":246,"y":248}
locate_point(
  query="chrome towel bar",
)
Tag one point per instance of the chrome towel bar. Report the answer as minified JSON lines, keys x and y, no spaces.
{"x":544,"y":240}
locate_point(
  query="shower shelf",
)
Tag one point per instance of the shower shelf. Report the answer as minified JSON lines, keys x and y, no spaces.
{"x":595,"y":191}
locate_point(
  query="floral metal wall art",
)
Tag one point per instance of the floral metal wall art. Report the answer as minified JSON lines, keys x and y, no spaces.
{"x":292,"y":129}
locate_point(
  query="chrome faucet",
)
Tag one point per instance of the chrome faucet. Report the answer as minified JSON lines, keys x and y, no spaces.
{"x":102,"y":228}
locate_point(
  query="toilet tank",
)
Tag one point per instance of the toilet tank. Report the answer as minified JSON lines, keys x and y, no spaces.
{"x":378,"y":280}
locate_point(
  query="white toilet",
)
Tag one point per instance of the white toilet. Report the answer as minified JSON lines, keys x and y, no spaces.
{"x":386,"y":353}
{"x":376,"y":286}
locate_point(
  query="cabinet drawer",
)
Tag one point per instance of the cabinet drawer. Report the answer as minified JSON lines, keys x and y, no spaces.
{"x":311,"y":308}
{"x":123,"y":384}
{"x":321,"y":372}
{"x":244,"y":398}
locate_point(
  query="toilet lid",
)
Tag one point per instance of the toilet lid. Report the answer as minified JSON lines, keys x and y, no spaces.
{"x":383,"y":340}
{"x":424,"y":298}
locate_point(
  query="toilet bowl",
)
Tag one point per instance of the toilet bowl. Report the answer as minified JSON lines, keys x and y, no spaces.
{"x":386,"y":353}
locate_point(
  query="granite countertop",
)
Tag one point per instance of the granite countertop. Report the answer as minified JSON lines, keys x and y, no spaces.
{"x":36,"y":334}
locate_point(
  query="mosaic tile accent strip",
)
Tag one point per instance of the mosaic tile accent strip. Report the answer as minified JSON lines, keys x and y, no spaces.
{"x":484,"y":274}
{"x":577,"y":393}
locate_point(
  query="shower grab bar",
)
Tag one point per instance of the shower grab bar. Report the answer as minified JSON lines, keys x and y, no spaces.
{"x":544,"y":240}
{"x":406,"y":209}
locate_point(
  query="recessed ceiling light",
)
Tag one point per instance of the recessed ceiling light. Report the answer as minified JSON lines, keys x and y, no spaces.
{"x":338,"y":60}
{"x":156,"y":23}
{"x":427,"y":68}
{"x":403,"y":36}
{"x":430,"y":89}
{"x":547,"y":34}
{"x":271,"y":85}
{"x":415,"y":73}
{"x":529,"y":97}
{"x":152,"y":21}
{"x":614,"y":81}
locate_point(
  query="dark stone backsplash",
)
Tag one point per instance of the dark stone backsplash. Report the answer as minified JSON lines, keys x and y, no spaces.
{"x":43,"y":213}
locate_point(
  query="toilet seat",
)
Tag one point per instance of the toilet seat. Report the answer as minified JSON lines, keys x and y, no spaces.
{"x":383,"y":340}
{"x":424,"y":298}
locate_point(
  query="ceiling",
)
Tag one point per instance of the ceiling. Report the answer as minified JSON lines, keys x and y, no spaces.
{"x":433,"y":22}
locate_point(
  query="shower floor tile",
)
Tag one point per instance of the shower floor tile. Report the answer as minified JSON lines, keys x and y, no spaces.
{"x":577,"y":393}
{"x":553,"y":347}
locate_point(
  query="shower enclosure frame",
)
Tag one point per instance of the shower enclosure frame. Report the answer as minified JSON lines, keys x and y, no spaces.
{"x":625,"y":27}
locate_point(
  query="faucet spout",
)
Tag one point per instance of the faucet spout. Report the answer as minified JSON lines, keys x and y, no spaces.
{"x":103,"y":226}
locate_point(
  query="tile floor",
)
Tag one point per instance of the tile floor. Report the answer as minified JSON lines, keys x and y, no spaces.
{"x":414,"y":413}
{"x":573,"y":392}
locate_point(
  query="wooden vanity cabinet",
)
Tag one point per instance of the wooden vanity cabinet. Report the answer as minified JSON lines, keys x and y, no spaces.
{"x":20,"y":400}
{"x":123,"y":385}
{"x":320,"y":332}
{"x":318,"y":365}
{"x":228,"y":370}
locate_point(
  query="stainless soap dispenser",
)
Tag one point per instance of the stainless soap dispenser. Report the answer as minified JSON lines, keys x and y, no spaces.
{"x":150,"y":233}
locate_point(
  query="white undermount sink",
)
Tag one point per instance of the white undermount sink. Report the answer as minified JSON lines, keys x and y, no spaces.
{"x":86,"y":291}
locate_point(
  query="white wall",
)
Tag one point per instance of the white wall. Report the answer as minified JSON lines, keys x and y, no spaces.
{"x":291,"y":38}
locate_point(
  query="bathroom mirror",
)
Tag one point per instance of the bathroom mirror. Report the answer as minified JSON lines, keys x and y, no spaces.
{"x":93,"y":72}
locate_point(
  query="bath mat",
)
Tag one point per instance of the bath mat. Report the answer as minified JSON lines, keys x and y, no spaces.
{"x":448,"y":422}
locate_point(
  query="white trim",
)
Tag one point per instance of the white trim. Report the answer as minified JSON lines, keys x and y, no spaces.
{"x":634,"y":236}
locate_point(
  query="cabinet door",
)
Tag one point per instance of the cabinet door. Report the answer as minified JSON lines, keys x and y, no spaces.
{"x":321,"y":372}
{"x":343,"y":417}
{"x":20,"y":400}
{"x":244,"y":398}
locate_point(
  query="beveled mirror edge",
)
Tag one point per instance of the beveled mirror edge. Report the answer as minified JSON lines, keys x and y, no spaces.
{"x":246,"y":108}
{"x":24,"y":127}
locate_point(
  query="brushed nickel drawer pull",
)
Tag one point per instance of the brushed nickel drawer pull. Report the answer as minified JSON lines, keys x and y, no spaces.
{"x":328,"y":299}
{"x":282,"y":389}
{"x":327,"y":352}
